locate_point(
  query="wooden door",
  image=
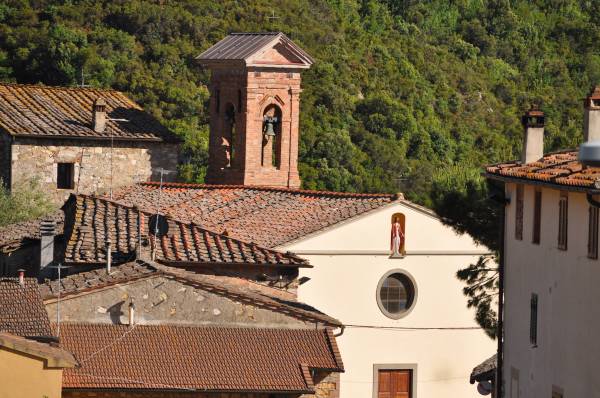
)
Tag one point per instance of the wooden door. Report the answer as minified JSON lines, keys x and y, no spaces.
{"x":395,"y":383}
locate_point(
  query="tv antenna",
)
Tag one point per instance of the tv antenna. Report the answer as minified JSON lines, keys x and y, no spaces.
{"x":156,"y":219}
{"x":83,"y":85}
{"x":58,"y":267}
{"x":272,"y":17}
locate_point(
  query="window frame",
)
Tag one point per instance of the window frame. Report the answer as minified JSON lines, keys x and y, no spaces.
{"x":537,"y":217}
{"x":563,"y":221}
{"x":70,"y":176}
{"x":413,"y":302}
{"x":519,"y":203}
{"x":593,"y":217}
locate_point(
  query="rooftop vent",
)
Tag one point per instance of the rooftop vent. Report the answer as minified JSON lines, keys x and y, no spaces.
{"x":99,"y":115}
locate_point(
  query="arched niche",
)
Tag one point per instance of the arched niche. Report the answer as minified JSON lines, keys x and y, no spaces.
{"x":229,"y":133}
{"x":398,"y":235}
{"x":271,"y":137}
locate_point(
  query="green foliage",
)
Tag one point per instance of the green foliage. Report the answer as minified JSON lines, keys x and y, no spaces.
{"x":26,"y":202}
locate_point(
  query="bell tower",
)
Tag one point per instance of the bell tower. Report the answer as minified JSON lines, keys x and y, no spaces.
{"x":254,"y":109}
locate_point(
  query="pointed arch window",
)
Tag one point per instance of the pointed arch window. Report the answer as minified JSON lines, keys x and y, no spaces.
{"x":271,"y":145}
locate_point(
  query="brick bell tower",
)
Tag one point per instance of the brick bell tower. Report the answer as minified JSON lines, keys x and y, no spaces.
{"x":254,"y":109}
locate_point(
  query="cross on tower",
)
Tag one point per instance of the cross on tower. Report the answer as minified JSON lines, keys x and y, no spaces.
{"x":272,"y":17}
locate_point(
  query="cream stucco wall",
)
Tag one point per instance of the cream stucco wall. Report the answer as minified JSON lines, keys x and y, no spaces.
{"x":344,"y":286}
{"x":567,"y":286}
{"x":24,"y":376}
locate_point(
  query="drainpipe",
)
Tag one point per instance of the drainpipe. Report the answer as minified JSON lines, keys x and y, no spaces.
{"x":108,"y":256}
{"x":501,"y":278}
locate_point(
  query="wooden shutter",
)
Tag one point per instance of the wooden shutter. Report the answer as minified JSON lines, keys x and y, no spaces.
{"x":563,"y":217}
{"x":519,"y":213}
{"x":593,"y":232}
{"x":537,"y":216}
{"x":395,"y":383}
{"x":533,"y":320}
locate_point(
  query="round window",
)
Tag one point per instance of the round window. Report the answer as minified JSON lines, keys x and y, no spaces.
{"x":396,"y":294}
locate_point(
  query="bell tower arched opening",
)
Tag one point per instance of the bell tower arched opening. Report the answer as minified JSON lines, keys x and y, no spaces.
{"x":229,"y":135}
{"x":271,"y":137}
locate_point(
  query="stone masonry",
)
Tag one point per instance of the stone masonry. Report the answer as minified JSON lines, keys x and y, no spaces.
{"x":93,"y":170}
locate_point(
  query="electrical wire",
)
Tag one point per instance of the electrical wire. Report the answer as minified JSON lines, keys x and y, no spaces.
{"x":123,"y":379}
{"x":412,"y":328}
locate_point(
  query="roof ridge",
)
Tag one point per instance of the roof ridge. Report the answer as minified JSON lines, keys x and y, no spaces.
{"x":51,"y":87}
{"x":393,"y":196}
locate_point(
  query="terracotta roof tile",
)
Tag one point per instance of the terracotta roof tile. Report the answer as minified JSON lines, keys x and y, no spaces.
{"x":15,"y":235}
{"x":22,"y":311}
{"x":485,"y":370}
{"x":196,"y":358}
{"x":264,"y":215}
{"x":559,"y":168}
{"x":92,"y":221}
{"x":66,"y":112}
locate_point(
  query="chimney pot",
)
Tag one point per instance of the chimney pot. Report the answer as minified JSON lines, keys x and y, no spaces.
{"x":108,"y":256}
{"x":46,"y":247}
{"x":591,"y":116}
{"x":99,"y":115}
{"x":131,"y":313}
{"x":21,"y":276}
{"x":533,"y":139}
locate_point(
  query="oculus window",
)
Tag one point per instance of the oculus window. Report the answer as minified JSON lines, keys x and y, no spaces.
{"x":396,"y":294}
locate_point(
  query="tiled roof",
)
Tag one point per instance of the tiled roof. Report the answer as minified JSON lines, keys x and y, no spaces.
{"x":14,"y":235}
{"x":266,"y":216}
{"x":485,"y":370}
{"x":237,"y":289}
{"x":242,"y":46}
{"x":95,"y":220}
{"x":22,"y":310}
{"x":559,"y":168}
{"x":54,"y":357}
{"x":66,"y":112}
{"x":167,"y":357}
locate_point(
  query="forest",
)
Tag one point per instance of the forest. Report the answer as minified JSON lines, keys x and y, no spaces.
{"x":405,"y":95}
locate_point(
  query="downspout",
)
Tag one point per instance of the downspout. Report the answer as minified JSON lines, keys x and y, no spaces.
{"x":590,"y":198}
{"x":501,"y":277}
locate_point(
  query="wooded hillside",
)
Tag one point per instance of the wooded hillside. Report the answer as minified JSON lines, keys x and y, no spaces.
{"x":405,"y":95}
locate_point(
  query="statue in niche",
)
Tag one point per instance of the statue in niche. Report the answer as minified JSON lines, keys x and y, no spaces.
{"x":397,"y":236}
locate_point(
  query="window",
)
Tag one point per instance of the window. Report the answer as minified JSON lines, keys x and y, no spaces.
{"x":563,"y":216}
{"x":394,"y":383}
{"x":533,"y":320}
{"x":65,"y":173}
{"x":537,"y":216}
{"x":519,"y":213}
{"x":218,"y":101}
{"x":593,"y":232}
{"x":396,"y":294}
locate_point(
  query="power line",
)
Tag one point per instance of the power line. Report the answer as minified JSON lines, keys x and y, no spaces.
{"x":413,"y":328}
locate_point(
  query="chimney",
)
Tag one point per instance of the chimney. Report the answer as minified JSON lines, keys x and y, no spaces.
{"x":131,"y":313}
{"x":108,"y":256}
{"x":99,"y":115}
{"x":21,"y":276}
{"x":591,"y":116}
{"x":533,"y":140}
{"x":46,"y":248}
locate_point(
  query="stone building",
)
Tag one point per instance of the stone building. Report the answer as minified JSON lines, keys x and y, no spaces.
{"x":254,"y":109}
{"x":79,"y":140}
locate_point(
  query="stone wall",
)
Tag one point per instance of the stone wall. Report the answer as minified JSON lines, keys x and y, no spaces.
{"x":327,"y":385}
{"x":161,"y":299}
{"x":131,"y":162}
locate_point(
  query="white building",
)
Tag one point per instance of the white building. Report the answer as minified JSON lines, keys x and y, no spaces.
{"x":551,"y":268}
{"x":352,"y":265}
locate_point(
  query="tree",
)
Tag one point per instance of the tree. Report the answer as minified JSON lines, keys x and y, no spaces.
{"x":26,"y":202}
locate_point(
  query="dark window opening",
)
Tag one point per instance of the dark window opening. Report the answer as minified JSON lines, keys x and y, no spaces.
{"x":563,"y":218}
{"x":533,"y":320}
{"x":65,"y":175}
{"x":593,"y":232}
{"x":519,"y":213}
{"x":239,"y":100}
{"x":218,"y":101}
{"x":537,"y":216}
